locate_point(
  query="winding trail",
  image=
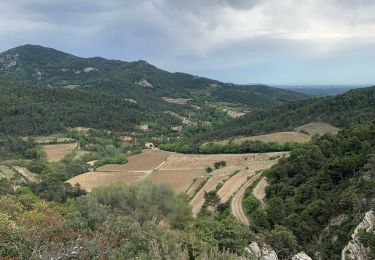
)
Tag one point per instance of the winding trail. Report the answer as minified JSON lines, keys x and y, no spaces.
{"x":236,"y":203}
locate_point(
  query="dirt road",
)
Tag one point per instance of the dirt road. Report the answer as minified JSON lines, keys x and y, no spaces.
{"x":236,"y":203}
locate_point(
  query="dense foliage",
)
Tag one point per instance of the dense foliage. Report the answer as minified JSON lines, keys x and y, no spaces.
{"x":13,"y":147}
{"x":36,"y":110}
{"x":230,"y":148}
{"x":356,"y":106}
{"x":319,"y":193}
{"x":143,"y":221}
{"x":260,"y":96}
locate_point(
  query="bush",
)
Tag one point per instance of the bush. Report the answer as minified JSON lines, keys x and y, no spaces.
{"x":220,"y":164}
{"x":117,"y":159}
{"x":251,"y":204}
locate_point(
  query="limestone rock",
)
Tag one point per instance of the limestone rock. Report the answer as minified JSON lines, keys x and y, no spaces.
{"x":262,"y":254}
{"x":144,"y":83}
{"x":301,"y":256}
{"x":355,"y":249}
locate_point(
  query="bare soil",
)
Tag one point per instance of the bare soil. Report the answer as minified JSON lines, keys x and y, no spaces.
{"x":56,"y":152}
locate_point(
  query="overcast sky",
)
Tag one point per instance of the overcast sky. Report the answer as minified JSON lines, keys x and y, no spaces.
{"x":240,"y":41}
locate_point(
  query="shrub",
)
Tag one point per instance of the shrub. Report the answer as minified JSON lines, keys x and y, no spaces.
{"x":251,"y":204}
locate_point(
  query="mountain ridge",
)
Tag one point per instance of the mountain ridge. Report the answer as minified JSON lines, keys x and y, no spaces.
{"x":138,"y":80}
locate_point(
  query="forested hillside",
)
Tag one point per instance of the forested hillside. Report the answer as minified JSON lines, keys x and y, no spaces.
{"x":38,"y":110}
{"x":137,"y":80}
{"x":318,"y":195}
{"x":356,"y":106}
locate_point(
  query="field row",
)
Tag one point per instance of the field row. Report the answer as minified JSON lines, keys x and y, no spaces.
{"x":184,"y":173}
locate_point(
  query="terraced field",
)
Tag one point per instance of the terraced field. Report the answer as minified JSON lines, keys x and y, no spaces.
{"x":259,"y":191}
{"x":139,"y":167}
{"x":183,"y":172}
{"x":24,"y":175}
{"x":218,"y":176}
{"x":56,"y":152}
{"x":179,"y":180}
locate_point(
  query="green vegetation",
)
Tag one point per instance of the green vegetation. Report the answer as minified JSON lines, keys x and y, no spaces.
{"x":330,"y":178}
{"x":220,"y":164}
{"x":353,"y":107}
{"x":137,"y":80}
{"x":36,"y":110}
{"x":14,"y":147}
{"x":251,"y":204}
{"x":117,"y":159}
{"x":230,"y":148}
{"x":368,"y":240}
{"x":315,"y":199}
{"x":119,"y":221}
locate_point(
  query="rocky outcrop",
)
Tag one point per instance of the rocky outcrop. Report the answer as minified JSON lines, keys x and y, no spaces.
{"x":261,"y":253}
{"x":9,"y":61}
{"x":355,"y":249}
{"x":89,"y":69}
{"x":144,"y":83}
{"x":301,"y":256}
{"x":265,"y":253}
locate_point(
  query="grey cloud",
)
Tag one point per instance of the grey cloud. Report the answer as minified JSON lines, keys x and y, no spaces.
{"x":196,"y":35}
{"x":206,"y":5}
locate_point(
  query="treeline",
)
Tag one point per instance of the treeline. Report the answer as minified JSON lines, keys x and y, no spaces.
{"x":330,"y":180}
{"x":14,"y":147}
{"x":354,"y":107}
{"x":231,"y":147}
{"x":26,"y":110}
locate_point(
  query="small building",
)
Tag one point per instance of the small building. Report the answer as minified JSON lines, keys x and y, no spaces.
{"x":150,"y":145}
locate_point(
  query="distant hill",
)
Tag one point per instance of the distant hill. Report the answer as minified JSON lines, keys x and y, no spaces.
{"x":322,"y":90}
{"x":354,"y":107}
{"x":137,"y":80}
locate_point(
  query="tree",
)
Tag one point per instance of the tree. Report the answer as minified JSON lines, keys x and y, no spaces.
{"x":211,"y":198}
{"x":145,"y":202}
{"x":282,"y":240}
{"x":251,"y":204}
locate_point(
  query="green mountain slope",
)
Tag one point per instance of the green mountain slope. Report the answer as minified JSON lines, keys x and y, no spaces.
{"x":356,"y":106}
{"x":134,"y":80}
{"x":38,"y":110}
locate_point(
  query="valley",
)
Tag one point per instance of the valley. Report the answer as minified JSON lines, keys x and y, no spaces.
{"x":100,"y":154}
{"x":183,"y":173}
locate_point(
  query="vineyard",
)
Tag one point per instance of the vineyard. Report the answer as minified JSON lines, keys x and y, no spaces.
{"x":56,"y":152}
{"x":184,"y":173}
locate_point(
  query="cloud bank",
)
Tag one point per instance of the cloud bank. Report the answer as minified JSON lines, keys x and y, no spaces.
{"x":270,"y":41}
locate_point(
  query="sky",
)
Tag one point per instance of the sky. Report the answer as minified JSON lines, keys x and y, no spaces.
{"x":239,"y":41}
